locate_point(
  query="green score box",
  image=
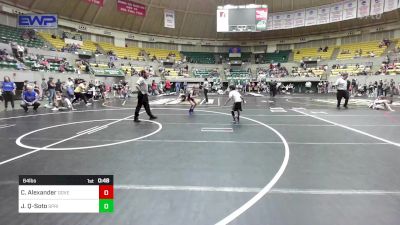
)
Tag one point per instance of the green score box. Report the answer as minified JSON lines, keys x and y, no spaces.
{"x":106,"y":205}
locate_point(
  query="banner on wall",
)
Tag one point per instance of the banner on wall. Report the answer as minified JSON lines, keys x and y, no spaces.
{"x":376,"y":7}
{"x":288,"y":19}
{"x":323,"y":14}
{"x":131,"y":7}
{"x":43,"y":21}
{"x":390,"y":5}
{"x":336,"y":12}
{"x":169,"y":18}
{"x":299,"y":19}
{"x":222,"y":20}
{"x":363,"y":8}
{"x":96,"y":2}
{"x":278,"y":21}
{"x":311,"y":16}
{"x":349,"y":9}
{"x":270,"y":23}
{"x":261,"y":19}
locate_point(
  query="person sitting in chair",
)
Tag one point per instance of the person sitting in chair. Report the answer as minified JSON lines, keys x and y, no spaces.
{"x":30,"y":98}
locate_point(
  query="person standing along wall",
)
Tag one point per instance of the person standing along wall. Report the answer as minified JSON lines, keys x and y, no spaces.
{"x":167,"y":86}
{"x":69,"y":86}
{"x":51,"y":87}
{"x":154,"y":88}
{"x":8,"y":92}
{"x":308,"y":87}
{"x":272,"y":88}
{"x":177,"y":88}
{"x":43,"y":87}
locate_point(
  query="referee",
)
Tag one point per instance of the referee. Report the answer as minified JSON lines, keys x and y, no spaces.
{"x":143,"y":96}
{"x":206,"y":86}
{"x":342,"y":86}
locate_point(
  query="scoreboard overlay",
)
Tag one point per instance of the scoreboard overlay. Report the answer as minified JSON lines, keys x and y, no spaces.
{"x":66,"y":194}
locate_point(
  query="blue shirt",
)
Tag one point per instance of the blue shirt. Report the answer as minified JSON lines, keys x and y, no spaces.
{"x":29,"y":96}
{"x":8,"y":86}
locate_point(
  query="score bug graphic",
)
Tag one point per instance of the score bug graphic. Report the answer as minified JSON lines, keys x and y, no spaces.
{"x":66,"y":194}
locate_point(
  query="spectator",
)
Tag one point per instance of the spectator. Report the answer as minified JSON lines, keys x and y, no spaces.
{"x":30,"y":98}
{"x":26,"y":82}
{"x":167,"y":86}
{"x":178,"y":88}
{"x":308,"y":86}
{"x":58,"y":85}
{"x":380,"y":88}
{"x":3,"y":55}
{"x":154,"y":88}
{"x":36,"y":88}
{"x":45,"y":63}
{"x":386,"y":88}
{"x":51,"y":87}
{"x":372,"y":54}
{"x":69,"y":87}
{"x":43,"y":87}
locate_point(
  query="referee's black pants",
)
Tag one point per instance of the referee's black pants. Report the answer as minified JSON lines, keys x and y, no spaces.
{"x":206,"y":94}
{"x":143,"y":100}
{"x":342,"y":94}
{"x":272,"y":92}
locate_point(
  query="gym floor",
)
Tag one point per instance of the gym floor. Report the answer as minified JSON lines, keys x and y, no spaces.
{"x":292,"y":160}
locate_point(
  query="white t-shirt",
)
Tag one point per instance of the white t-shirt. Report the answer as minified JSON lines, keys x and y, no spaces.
{"x":141,"y":83}
{"x":341,"y":84}
{"x":206,"y":85}
{"x":235,"y":95}
{"x":70,"y":84}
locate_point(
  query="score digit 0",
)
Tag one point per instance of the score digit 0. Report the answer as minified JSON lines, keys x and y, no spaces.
{"x":106,"y":192}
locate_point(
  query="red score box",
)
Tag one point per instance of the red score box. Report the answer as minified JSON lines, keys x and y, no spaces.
{"x":106,"y":192}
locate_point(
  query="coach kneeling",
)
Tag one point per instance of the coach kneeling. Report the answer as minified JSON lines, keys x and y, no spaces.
{"x":30,"y":98}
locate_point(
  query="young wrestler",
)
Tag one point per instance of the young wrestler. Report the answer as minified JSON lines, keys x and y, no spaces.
{"x":237,"y":105}
{"x":62,"y":102}
{"x":191,"y":100}
{"x":382,"y":103}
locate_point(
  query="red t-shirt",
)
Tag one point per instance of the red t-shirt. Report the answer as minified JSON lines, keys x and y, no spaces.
{"x":167,"y":84}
